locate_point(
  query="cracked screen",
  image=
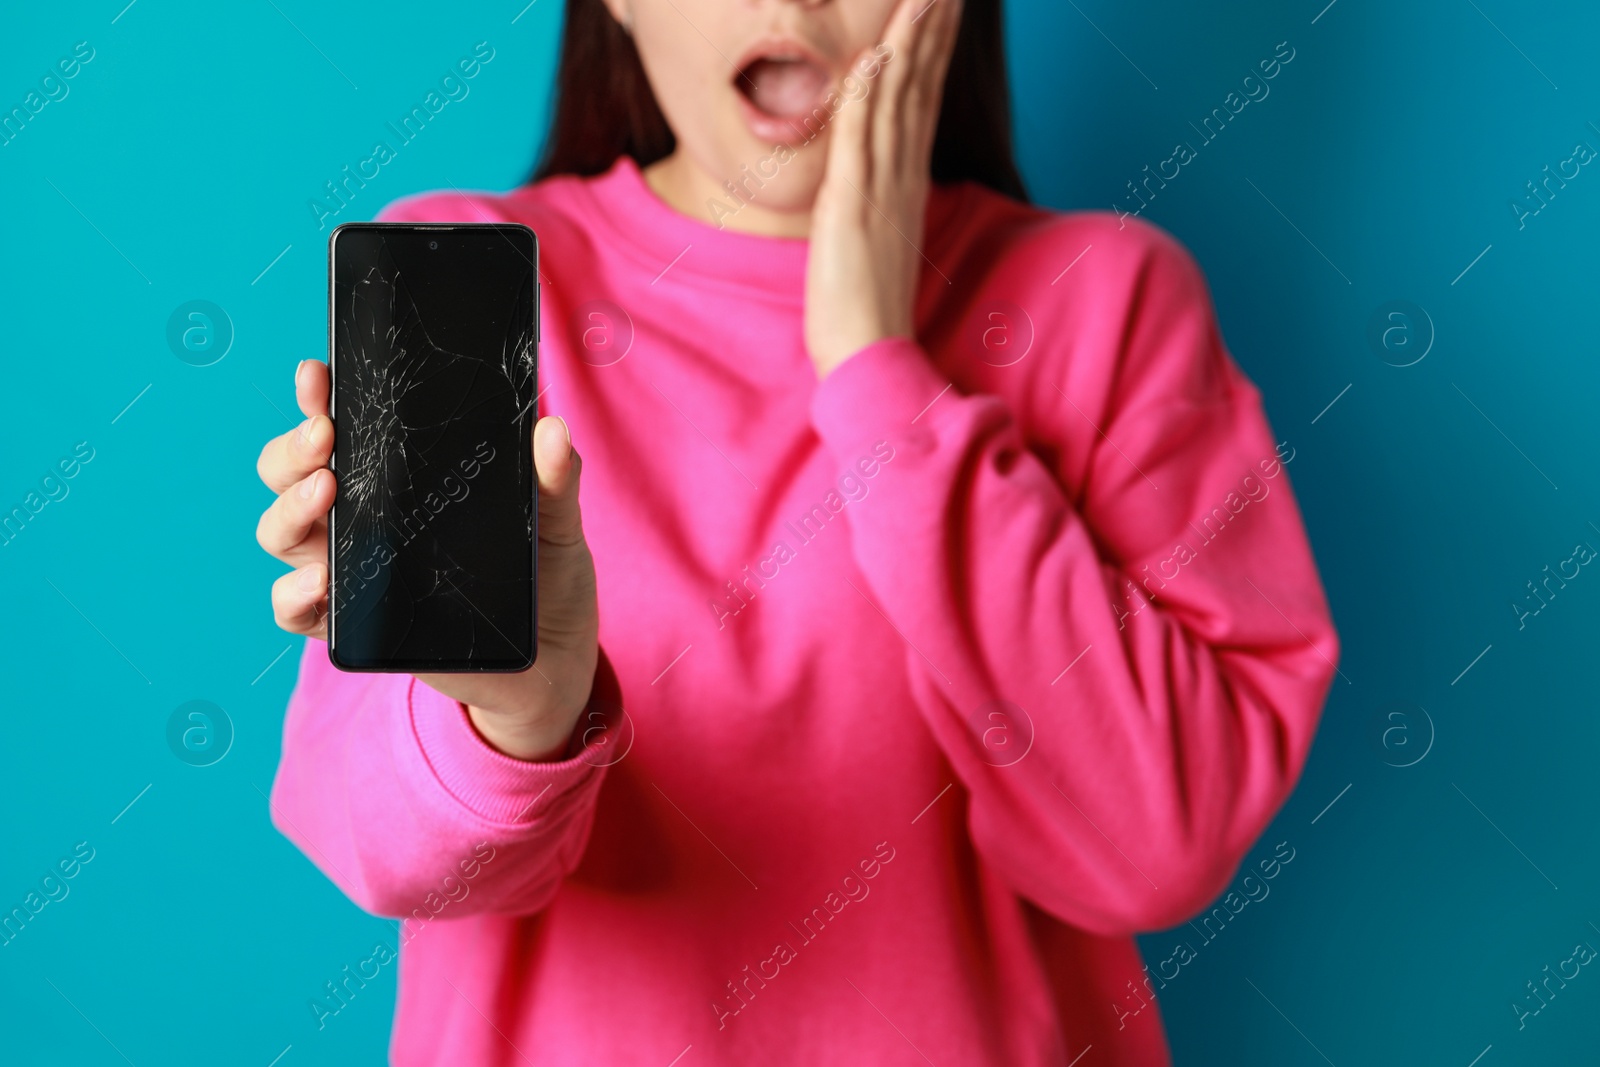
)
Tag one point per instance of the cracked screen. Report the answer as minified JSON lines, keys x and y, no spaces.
{"x":432,"y":532}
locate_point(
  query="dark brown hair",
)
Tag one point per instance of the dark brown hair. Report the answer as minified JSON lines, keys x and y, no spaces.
{"x":604,"y":107}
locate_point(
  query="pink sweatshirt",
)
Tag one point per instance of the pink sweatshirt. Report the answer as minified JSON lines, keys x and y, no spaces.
{"x":943,"y":677}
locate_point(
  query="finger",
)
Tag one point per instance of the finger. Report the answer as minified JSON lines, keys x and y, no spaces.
{"x":311,"y":387}
{"x":299,"y":601}
{"x":558,"y":466}
{"x":937,"y":43}
{"x":289,"y":457}
{"x":939,"y":21}
{"x":925,"y":96}
{"x":906,"y":27}
{"x":294,"y":515}
{"x":848,"y":137}
{"x":899,"y":34}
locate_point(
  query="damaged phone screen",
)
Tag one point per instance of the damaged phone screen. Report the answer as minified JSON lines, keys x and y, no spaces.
{"x":432,"y":352}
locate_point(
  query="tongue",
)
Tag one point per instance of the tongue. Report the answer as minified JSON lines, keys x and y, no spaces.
{"x":787,"y":88}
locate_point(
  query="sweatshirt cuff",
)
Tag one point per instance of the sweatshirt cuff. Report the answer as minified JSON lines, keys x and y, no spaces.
{"x":877,"y":393}
{"x":500,"y":788}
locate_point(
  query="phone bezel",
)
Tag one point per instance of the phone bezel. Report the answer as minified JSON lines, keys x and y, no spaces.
{"x":432,"y":666}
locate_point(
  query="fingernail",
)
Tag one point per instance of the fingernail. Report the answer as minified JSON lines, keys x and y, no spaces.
{"x":299,"y":368}
{"x":308,"y":486}
{"x":567,"y":428}
{"x":304,"y":434}
{"x":310,"y":577}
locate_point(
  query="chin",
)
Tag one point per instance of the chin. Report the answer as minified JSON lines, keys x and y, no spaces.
{"x":778,"y":178}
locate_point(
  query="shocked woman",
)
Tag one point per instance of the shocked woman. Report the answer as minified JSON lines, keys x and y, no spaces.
{"x":915,"y":647}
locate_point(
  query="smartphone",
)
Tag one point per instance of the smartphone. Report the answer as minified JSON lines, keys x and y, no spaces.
{"x":433,"y":358}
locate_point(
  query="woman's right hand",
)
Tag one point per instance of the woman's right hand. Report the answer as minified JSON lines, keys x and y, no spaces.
{"x":530,"y":715}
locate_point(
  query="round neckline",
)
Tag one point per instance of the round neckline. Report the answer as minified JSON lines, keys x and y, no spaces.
{"x":662,"y":239}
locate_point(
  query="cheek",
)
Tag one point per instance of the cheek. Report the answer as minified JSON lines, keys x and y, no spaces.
{"x":699,"y":104}
{"x":687,"y":71}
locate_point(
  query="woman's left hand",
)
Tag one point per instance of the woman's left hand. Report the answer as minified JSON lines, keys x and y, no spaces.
{"x":866,"y":225}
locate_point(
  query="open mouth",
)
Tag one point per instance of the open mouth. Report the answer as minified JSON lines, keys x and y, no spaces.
{"x":783,"y":86}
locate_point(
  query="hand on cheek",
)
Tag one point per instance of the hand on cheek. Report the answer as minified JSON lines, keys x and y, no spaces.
{"x":866,"y":228}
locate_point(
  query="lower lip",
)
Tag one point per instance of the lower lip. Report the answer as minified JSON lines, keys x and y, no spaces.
{"x":774,"y":130}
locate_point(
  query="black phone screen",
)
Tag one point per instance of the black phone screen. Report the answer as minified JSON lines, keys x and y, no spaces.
{"x":434,"y":525}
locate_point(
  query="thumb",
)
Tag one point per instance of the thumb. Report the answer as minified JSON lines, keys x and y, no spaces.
{"x":558,"y":466}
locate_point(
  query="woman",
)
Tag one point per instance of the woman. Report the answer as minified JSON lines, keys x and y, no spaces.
{"x":940,"y":556}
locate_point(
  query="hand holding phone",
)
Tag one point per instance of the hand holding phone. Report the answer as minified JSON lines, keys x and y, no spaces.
{"x":528,"y":715}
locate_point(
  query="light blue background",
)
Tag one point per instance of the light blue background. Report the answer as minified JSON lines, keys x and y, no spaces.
{"x":182,"y":161}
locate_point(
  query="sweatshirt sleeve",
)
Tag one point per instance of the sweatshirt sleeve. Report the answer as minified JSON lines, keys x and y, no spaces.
{"x":1125,"y":678}
{"x":387,"y":787}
